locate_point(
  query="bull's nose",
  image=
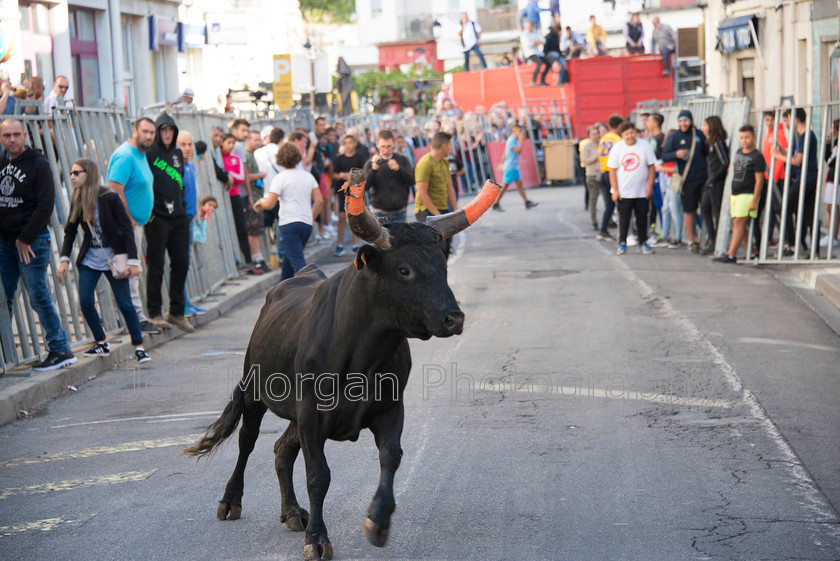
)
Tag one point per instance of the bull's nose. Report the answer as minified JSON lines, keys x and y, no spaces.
{"x":453,"y":323}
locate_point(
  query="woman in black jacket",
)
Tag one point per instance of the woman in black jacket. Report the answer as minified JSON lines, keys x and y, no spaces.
{"x":718,"y":164}
{"x":107,"y":233}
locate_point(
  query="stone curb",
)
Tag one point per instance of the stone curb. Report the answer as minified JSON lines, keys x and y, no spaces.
{"x":40,"y":387}
{"x":829,"y":287}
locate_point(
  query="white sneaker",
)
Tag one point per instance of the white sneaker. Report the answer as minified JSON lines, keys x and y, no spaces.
{"x":824,"y":241}
{"x":632,"y":240}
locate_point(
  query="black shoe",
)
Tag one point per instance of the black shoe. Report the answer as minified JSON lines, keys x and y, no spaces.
{"x":709,"y":249}
{"x":498,"y":208}
{"x":142,"y":356}
{"x":604,"y":236}
{"x":147,"y":327}
{"x":55,"y":361}
{"x":99,"y":349}
{"x":596,"y":227}
{"x":530,"y":204}
{"x":725,"y":260}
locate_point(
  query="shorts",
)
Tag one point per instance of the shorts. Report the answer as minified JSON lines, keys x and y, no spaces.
{"x":830,"y":194}
{"x":255,"y":225}
{"x":691,"y":193}
{"x":739,"y":206}
{"x":511,"y":176}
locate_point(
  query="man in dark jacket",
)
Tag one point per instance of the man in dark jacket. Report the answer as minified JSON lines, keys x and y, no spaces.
{"x":678,"y":149}
{"x":27,"y":198}
{"x":169,"y":228}
{"x":389,"y":178}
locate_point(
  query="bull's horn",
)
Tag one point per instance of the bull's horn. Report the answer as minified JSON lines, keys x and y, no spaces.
{"x":363,"y":223}
{"x":447,"y":225}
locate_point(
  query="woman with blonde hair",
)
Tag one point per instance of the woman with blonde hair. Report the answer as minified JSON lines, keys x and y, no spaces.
{"x":107,"y":248}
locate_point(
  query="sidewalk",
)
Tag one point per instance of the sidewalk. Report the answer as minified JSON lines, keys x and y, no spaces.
{"x":24,"y":389}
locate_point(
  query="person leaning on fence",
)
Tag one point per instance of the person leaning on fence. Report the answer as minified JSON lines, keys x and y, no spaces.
{"x":718,"y":163}
{"x":130,"y":176}
{"x":434,"y":184}
{"x":300,"y":203}
{"x":798,"y":167}
{"x":388,"y":178}
{"x":748,"y":168}
{"x":188,"y":149}
{"x":168,"y":231}
{"x":665,"y":41}
{"x":60,"y":87}
{"x":255,"y":225}
{"x":832,"y":197}
{"x":773,"y":141}
{"x":107,"y":235}
{"x":235,"y":168}
{"x":589,"y":157}
{"x":654,"y":136}
{"x":631,"y":169}
{"x":26,"y":205}
{"x":510,"y":168}
{"x":687,"y":147}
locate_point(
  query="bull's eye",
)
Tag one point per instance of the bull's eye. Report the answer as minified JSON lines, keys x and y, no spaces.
{"x":405,"y":272}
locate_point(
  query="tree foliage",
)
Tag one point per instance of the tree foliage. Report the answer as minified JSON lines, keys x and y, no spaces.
{"x":328,"y":11}
{"x":418,"y":87}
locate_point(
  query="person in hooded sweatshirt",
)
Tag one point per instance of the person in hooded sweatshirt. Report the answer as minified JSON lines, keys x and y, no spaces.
{"x":27,"y":198}
{"x":169,"y":228}
{"x":678,"y":149}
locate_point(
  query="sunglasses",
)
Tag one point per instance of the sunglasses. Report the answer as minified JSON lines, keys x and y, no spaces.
{"x":76,"y":173}
{"x":63,"y":87}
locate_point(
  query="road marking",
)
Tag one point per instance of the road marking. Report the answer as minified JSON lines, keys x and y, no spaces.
{"x":784,"y":343}
{"x":814,"y":499}
{"x":76,"y":483}
{"x":44,"y":525}
{"x":99,"y":450}
{"x":145,"y":418}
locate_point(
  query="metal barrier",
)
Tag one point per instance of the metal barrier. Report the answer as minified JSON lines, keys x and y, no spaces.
{"x":77,"y":132}
{"x":798,"y":214}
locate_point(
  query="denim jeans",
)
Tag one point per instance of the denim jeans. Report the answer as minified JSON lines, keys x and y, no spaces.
{"x":672,"y":210}
{"x":550,"y":58}
{"x":295,"y":235}
{"x":478,"y":53}
{"x":391,"y":216}
{"x":122,"y":294}
{"x":666,"y":58}
{"x":34,"y":278}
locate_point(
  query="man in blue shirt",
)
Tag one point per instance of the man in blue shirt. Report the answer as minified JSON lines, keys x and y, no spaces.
{"x":130,"y":176}
{"x":510,"y":168}
{"x":799,"y":168}
{"x":531,"y":12}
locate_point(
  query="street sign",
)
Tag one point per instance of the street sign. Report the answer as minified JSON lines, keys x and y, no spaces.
{"x":283,"y":81}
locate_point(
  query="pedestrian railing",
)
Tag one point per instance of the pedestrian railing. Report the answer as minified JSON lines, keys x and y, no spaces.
{"x":71,"y":133}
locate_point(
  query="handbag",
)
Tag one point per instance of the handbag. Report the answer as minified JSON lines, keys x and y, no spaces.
{"x":678,"y":179}
{"x":118,"y":264}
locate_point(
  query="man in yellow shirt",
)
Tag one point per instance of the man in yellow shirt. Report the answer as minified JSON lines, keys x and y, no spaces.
{"x":434,"y":184}
{"x":604,"y":146}
{"x":596,"y":38}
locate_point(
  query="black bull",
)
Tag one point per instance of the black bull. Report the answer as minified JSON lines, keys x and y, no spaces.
{"x":331,"y":355}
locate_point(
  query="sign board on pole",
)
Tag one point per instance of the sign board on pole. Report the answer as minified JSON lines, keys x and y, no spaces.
{"x":283,"y":81}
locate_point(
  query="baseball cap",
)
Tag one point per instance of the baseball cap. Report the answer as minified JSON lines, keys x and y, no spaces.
{"x":188,"y":93}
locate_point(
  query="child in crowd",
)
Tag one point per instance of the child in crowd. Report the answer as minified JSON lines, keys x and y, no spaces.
{"x":510,"y":168}
{"x":631,"y":167}
{"x":672,"y":211}
{"x":748,"y":168}
{"x":208,"y":206}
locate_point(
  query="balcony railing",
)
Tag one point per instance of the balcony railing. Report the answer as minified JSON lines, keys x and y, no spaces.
{"x":500,"y":18}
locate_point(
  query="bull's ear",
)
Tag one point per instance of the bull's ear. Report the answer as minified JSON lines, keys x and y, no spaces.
{"x":367,"y":256}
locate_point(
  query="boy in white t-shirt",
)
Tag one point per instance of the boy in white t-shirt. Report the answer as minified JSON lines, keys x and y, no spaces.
{"x":631,"y":167}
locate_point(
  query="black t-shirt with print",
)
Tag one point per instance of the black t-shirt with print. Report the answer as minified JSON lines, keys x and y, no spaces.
{"x":744,"y":168}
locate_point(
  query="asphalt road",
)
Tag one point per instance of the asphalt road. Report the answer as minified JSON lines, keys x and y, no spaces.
{"x":595,"y":407}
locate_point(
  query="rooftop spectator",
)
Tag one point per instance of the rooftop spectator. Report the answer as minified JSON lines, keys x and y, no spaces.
{"x":634,"y":36}
{"x":470,"y":34}
{"x":596,"y":38}
{"x":664,"y":41}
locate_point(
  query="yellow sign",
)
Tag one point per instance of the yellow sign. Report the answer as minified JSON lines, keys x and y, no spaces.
{"x":283,"y":81}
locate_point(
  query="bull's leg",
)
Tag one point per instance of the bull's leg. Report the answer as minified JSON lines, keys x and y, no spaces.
{"x":231,"y":503}
{"x":387,"y":429}
{"x":285,"y":453}
{"x":317,"y":545}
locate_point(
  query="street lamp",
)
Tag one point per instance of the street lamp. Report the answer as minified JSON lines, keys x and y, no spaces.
{"x":310,"y":55}
{"x":436,"y":30}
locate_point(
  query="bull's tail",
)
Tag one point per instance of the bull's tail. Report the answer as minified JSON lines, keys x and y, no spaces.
{"x":222,"y":428}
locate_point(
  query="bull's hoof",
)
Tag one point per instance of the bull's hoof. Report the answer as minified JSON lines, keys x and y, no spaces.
{"x":318,"y":552}
{"x":297,"y":520}
{"x":375,"y":534}
{"x":227,"y":511}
